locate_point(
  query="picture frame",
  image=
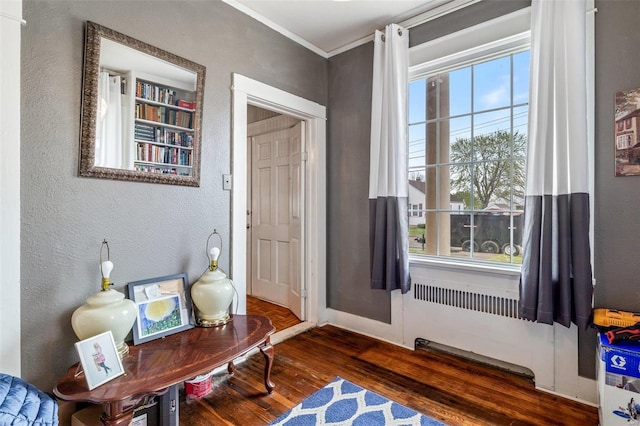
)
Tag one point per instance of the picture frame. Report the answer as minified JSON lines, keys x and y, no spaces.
{"x":627,"y":132}
{"x":163,"y":307}
{"x":99,"y":359}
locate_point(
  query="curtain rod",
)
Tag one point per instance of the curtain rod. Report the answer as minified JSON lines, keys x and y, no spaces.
{"x":13,"y":18}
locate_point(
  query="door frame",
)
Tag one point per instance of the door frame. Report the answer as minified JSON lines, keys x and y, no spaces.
{"x":246,"y":91}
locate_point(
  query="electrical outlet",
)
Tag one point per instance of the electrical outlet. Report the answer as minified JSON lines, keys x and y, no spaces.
{"x":226,"y":182}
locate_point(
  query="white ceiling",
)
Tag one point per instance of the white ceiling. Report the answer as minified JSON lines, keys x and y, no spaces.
{"x":329,"y":27}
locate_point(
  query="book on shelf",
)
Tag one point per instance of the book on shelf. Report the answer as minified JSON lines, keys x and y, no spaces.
{"x":153,"y":92}
{"x":145,"y":132}
{"x":148,"y":152}
{"x":158,"y":134}
{"x":183,"y":103}
{"x":159,"y":170}
{"x":164,"y":115}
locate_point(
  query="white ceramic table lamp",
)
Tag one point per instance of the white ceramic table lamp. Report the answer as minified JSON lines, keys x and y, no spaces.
{"x":213,"y":292}
{"x":105,"y":310}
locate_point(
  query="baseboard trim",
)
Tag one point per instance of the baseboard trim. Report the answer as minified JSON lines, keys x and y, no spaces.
{"x":365,"y":326}
{"x":294,"y":330}
{"x":587,"y":392}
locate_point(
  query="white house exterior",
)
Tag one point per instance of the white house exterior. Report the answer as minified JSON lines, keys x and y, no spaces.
{"x":417,"y":204}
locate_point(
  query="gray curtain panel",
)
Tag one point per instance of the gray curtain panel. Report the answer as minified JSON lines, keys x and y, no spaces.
{"x":555,"y":283}
{"x":388,"y":234}
{"x":388,"y":175}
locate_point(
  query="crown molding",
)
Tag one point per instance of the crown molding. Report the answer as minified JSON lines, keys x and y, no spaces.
{"x":440,"y":8}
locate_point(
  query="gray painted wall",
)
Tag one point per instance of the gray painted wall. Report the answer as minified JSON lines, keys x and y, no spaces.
{"x":616,"y":213}
{"x":617,"y":199}
{"x":153,"y":230}
{"x":349,"y":130}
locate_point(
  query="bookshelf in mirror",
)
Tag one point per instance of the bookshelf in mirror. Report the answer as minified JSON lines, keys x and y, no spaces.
{"x":163,"y":128}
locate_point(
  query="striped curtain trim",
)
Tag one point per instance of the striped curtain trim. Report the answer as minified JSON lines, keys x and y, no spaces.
{"x":555,"y":283}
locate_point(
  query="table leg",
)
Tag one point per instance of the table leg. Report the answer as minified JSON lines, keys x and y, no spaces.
{"x":267,"y":352}
{"x":114,"y":415}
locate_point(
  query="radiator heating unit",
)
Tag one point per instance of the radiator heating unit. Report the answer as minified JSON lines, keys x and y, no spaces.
{"x":481,"y":319}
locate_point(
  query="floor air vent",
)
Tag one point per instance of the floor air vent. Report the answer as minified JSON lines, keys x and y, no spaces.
{"x":426,"y":345}
{"x":467,"y":300}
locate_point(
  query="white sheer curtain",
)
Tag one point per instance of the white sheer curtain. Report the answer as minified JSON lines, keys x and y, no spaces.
{"x":109,"y":149}
{"x":388,"y":179}
{"x":555,"y":284}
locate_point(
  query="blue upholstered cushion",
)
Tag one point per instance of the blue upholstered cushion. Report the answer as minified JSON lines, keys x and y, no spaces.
{"x":23,"y":404}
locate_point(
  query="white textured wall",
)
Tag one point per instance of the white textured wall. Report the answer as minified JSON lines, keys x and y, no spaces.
{"x":10,"y":186}
{"x":152,"y":229}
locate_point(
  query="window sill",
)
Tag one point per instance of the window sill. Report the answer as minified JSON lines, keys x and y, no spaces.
{"x":457,"y":266}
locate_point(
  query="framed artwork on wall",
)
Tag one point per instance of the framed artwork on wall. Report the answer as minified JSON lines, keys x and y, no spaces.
{"x":627,"y":132}
{"x":163,"y":307}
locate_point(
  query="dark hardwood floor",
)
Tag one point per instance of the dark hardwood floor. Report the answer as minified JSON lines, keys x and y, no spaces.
{"x":442,"y":386}
{"x":281,"y":317}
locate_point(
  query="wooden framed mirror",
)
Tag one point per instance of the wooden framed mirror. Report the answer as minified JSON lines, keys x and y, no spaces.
{"x":141,"y":111}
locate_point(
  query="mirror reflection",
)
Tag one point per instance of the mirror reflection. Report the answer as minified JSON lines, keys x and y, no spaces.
{"x":141,"y":111}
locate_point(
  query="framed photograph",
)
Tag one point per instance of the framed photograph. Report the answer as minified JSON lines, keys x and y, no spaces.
{"x":163,"y":307}
{"x":99,"y":358}
{"x":627,"y":132}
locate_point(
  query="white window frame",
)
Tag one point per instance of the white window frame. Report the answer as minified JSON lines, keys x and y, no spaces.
{"x":429,"y":57}
{"x":497,"y":37}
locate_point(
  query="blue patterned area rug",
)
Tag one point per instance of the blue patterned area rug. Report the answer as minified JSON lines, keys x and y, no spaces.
{"x":343,"y":403}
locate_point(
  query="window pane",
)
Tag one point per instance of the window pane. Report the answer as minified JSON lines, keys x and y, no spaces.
{"x":458,"y":202}
{"x":416,"y":174}
{"x":520,"y":120}
{"x":518,"y":224}
{"x":459,"y":185}
{"x":466,"y":174}
{"x":417,"y":101}
{"x":518,"y":184}
{"x":488,"y":123}
{"x":460,"y":236}
{"x":492,"y":84}
{"x":417,"y":237}
{"x":416,"y":146}
{"x":433,"y":135}
{"x":460,"y":91}
{"x":509,"y":240}
{"x":460,"y":139}
{"x":492,"y":135}
{"x":491,"y":184}
{"x":521,"y":78}
{"x":432,"y":188}
{"x":417,"y":191}
{"x":493,"y":232}
{"x":437,"y":103}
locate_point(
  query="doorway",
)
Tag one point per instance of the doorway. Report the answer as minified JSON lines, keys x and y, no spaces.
{"x":275,"y":210}
{"x":251,"y":92}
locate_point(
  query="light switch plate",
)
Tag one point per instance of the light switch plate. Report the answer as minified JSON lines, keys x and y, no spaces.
{"x":226,"y":182}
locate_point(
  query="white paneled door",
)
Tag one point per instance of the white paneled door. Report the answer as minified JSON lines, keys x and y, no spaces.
{"x":277,"y":211}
